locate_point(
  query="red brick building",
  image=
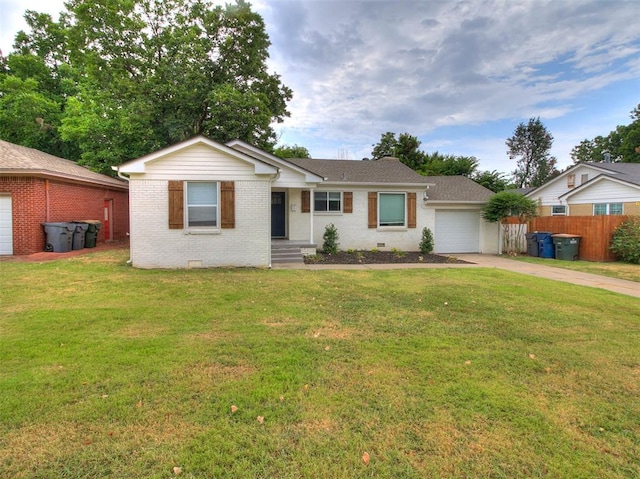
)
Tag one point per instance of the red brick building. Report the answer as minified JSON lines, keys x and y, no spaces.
{"x":36,"y":187}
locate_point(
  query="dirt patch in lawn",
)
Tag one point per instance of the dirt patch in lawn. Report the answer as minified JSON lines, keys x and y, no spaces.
{"x":380,"y":257}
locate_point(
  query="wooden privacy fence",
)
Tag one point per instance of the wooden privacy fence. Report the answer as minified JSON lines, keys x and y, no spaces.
{"x":595,"y":231}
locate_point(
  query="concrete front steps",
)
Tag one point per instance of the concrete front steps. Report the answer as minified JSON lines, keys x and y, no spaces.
{"x":284,"y":251}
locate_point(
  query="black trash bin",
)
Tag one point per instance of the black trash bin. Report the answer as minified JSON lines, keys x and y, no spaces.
{"x":545,"y":245}
{"x":59,"y":237}
{"x":567,"y":246}
{"x":532,"y":244}
{"x":79,"y":234}
{"x":91,"y":236}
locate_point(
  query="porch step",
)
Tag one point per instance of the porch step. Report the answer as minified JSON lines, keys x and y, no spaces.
{"x":286,"y":252}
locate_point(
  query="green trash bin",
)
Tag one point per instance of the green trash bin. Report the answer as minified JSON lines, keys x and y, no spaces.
{"x":91,"y":235}
{"x":566,"y":246}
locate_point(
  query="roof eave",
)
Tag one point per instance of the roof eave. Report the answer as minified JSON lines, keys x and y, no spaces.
{"x":377,"y":183}
{"x":57,"y":176}
{"x":460,"y":202}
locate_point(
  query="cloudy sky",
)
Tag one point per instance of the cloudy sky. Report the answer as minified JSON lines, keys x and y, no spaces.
{"x":459,"y":75}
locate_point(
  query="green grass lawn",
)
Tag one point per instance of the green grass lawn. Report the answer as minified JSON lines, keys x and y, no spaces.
{"x":630,"y":272}
{"x":109,"y":371}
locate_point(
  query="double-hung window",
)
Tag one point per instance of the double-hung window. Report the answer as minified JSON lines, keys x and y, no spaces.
{"x":607,"y":209}
{"x":202,"y":204}
{"x":392,"y":209}
{"x":327,"y":201}
{"x":558,"y":210}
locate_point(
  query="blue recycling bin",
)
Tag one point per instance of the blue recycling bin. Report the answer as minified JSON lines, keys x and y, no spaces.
{"x":546,"y":248}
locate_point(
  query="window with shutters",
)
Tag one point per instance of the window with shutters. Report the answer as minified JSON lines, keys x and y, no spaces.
{"x":392,"y":209}
{"x":327,"y":201}
{"x":201,"y":209}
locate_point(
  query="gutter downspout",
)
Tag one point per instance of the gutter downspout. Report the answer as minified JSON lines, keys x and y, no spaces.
{"x":128,"y":180}
{"x":273,"y":178}
{"x":46,"y":200}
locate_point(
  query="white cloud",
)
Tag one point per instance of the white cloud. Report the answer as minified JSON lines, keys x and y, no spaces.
{"x":361,"y":68}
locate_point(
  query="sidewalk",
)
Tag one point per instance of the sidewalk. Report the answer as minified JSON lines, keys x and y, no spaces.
{"x":629,"y":288}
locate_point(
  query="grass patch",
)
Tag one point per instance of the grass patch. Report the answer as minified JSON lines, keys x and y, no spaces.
{"x":110,"y":371}
{"x":630,"y":272}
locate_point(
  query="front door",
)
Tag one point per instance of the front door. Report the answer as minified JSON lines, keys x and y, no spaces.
{"x":278,"y":214}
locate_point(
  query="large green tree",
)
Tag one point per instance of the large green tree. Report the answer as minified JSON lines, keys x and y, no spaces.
{"x":148,"y":73}
{"x":406,"y":148}
{"x":291,"y":151}
{"x":492,"y":180}
{"x":622,"y":144}
{"x":436,"y":164}
{"x":530,"y":145}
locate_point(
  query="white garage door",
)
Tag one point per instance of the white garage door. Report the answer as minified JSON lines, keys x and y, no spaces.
{"x":6,"y":225}
{"x":457,"y":231}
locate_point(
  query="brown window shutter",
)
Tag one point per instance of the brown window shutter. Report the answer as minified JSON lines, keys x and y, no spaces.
{"x":373,"y":209}
{"x":306,"y":201}
{"x":347,"y":198}
{"x":227,"y":205}
{"x":176,"y":205}
{"x":411,"y":200}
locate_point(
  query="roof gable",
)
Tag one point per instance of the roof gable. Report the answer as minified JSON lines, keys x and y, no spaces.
{"x":138,"y":165}
{"x":251,"y":150}
{"x":23,"y":161}
{"x":628,"y":172}
{"x":625,"y":185}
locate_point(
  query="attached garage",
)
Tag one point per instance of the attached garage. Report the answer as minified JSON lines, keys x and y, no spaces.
{"x":457,"y":231}
{"x":6,"y":225}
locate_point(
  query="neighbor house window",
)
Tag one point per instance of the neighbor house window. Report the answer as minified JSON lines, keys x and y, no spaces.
{"x":607,"y":209}
{"x":202,"y":204}
{"x":327,"y":201}
{"x":558,"y":210}
{"x":392,"y":209}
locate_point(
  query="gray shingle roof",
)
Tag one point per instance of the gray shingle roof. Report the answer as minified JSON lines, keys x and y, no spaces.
{"x":392,"y":171}
{"x":456,"y":189}
{"x":384,"y":170}
{"x":21,"y":160}
{"x":629,"y":172}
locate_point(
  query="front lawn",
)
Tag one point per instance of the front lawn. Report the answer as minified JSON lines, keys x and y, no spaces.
{"x":109,"y":371}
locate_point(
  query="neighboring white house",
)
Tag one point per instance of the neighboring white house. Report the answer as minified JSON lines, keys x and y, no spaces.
{"x":201,"y":204}
{"x":590,"y":189}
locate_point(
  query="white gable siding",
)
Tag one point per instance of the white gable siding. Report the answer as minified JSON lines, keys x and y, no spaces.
{"x":199,"y":162}
{"x":605,"y":191}
{"x":154,"y":245}
{"x":288,"y":178}
{"x":549,"y":194}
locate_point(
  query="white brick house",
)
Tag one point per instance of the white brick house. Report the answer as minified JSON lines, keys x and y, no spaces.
{"x":203,"y":204}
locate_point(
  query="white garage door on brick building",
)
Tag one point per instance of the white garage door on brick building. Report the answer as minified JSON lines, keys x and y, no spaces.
{"x":6,"y":225}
